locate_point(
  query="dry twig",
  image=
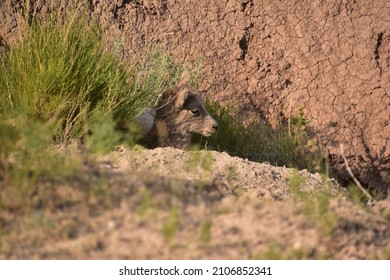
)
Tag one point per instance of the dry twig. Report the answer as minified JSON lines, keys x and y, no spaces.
{"x":364,"y":191}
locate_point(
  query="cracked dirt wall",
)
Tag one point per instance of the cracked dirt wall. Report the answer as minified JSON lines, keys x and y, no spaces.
{"x":330,"y":57}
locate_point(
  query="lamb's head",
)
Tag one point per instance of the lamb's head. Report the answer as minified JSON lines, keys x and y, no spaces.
{"x":180,"y":111}
{"x":191,"y":114}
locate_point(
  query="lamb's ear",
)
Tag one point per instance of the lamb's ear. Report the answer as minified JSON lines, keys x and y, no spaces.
{"x":181,"y":98}
{"x":185,"y":78}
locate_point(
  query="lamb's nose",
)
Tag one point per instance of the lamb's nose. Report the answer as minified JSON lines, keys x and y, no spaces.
{"x":215,"y":126}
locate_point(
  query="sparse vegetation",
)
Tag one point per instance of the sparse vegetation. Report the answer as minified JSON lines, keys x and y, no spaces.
{"x":232,"y":173}
{"x":146,"y":201}
{"x":357,"y":196}
{"x":274,"y":252}
{"x":205,"y":233}
{"x":22,"y":166}
{"x":320,"y":211}
{"x":61,"y":73}
{"x":171,"y":225}
{"x":386,"y":254}
{"x":288,"y":144}
{"x":295,"y":183}
{"x":198,"y":159}
{"x":60,"y":81}
{"x":315,"y":205}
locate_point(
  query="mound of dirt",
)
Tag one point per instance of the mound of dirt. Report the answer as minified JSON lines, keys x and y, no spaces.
{"x":256,"y":179}
{"x":171,"y":204}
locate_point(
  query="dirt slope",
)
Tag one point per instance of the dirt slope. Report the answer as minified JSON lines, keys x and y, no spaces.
{"x":171,"y":204}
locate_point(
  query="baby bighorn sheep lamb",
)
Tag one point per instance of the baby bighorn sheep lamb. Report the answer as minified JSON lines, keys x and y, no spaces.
{"x":179,"y":112}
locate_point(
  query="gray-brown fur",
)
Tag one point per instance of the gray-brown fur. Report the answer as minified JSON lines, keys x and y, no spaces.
{"x":179,"y":112}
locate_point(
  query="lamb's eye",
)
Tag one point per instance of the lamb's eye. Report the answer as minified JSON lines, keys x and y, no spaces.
{"x":195,"y":111}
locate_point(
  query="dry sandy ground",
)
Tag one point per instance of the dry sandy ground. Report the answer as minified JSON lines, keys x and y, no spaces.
{"x":171,"y":204}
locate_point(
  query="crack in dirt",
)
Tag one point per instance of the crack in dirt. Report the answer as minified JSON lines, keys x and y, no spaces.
{"x":378,"y":45}
{"x":244,"y":44}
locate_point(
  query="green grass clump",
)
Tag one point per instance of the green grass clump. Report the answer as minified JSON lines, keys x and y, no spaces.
{"x":62,"y":72}
{"x":287,"y":144}
{"x":60,"y":81}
